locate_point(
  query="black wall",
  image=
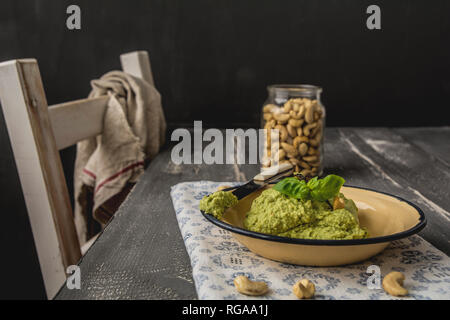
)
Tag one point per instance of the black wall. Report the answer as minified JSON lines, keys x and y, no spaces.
{"x":212,"y":61}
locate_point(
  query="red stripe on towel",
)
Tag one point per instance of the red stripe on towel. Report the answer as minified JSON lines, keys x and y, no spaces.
{"x":89,"y":173}
{"x":131,"y":166}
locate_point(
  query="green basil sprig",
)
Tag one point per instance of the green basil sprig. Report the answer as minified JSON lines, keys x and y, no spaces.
{"x":314,"y":189}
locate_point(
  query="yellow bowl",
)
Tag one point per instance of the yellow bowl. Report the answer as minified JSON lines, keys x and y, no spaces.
{"x":387,"y":218}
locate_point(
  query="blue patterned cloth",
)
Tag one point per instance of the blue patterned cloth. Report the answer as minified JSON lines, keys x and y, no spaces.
{"x":217,"y":258}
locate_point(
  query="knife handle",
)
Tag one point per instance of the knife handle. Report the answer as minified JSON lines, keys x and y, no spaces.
{"x":274,"y":172}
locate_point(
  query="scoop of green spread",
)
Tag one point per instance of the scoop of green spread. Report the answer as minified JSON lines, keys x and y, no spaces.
{"x":278,"y":214}
{"x":273,"y":213}
{"x":216,"y":203}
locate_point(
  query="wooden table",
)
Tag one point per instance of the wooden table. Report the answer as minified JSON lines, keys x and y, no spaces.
{"x":141,"y":255}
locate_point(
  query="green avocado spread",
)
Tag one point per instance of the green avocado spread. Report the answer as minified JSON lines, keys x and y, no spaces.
{"x":216,"y":203}
{"x":278,"y":214}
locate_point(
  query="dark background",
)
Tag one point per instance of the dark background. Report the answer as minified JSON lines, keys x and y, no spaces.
{"x":212,"y":61}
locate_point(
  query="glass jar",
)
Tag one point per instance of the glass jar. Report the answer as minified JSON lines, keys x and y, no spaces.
{"x":299,"y":116}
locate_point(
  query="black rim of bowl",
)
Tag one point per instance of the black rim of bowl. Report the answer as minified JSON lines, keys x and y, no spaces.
{"x":346,"y":242}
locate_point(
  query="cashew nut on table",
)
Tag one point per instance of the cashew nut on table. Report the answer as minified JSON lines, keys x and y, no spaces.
{"x":251,"y":288}
{"x":393,"y":284}
{"x":304,"y":289}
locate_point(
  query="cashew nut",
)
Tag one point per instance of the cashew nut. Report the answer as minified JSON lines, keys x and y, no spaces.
{"x":281,"y":117}
{"x":291,"y":130}
{"x":310,"y":158}
{"x":290,"y":150}
{"x":304,"y":289}
{"x":393,"y":284}
{"x":251,"y":288}
{"x":301,"y":112}
{"x":269,"y":108}
{"x":305,"y":172}
{"x":307,"y":128}
{"x":303,"y":148}
{"x":296,"y":142}
{"x":270,"y":124}
{"x":295,"y":123}
{"x":267,"y":116}
{"x":296,"y":115}
{"x":283,"y":132}
{"x":304,"y":139}
{"x":304,"y":165}
{"x":338,"y":203}
{"x":316,"y":129}
{"x":316,"y":116}
{"x":318,"y":135}
{"x":287,"y":106}
{"x":295,"y":161}
{"x":309,"y":113}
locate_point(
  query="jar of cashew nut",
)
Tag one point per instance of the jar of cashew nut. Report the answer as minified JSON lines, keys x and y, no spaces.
{"x":298,"y":116}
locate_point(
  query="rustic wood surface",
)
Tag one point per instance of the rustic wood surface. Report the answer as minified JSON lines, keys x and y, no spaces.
{"x":141,"y":255}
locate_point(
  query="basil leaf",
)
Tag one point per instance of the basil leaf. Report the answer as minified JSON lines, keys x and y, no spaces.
{"x":304,"y":192}
{"x":293,"y":188}
{"x":327,"y":187}
{"x":315,"y":189}
{"x":313,"y":183}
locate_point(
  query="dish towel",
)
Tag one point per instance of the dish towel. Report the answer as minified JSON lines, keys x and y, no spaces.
{"x":133,"y":132}
{"x":217,"y":258}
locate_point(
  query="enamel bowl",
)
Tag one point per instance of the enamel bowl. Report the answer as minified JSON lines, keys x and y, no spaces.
{"x":386,"y":217}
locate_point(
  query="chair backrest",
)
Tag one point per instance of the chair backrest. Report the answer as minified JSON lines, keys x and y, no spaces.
{"x":37,"y":133}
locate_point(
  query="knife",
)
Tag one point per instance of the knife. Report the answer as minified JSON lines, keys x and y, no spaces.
{"x":263,"y":178}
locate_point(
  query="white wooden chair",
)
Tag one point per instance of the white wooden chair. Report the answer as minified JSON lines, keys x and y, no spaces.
{"x":37,"y":132}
